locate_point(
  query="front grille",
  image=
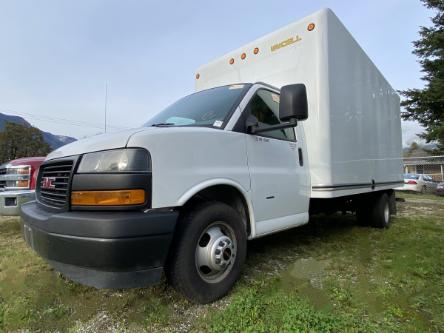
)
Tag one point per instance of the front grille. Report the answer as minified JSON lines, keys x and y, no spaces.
{"x":53,"y":186}
{"x":2,"y":182}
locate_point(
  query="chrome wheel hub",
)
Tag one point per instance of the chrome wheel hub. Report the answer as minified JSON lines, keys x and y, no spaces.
{"x":215,"y":252}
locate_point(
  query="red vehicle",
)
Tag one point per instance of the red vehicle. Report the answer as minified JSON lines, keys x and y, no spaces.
{"x":17,"y":183}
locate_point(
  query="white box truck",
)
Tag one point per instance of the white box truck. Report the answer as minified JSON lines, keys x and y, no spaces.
{"x":295,"y":123}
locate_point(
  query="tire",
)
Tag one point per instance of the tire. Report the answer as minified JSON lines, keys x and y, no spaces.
{"x":209,"y":250}
{"x":374,"y":210}
{"x":380,"y":211}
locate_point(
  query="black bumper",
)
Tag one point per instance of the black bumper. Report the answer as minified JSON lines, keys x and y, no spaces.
{"x":101,"y":249}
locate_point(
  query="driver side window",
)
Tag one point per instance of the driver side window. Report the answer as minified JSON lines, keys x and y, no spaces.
{"x":265,"y":107}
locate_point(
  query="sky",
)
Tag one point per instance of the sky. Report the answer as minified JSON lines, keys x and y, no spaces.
{"x":58,"y":57}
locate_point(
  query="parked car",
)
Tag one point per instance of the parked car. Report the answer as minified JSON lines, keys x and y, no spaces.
{"x":440,"y":189}
{"x":17,"y":183}
{"x":418,"y":183}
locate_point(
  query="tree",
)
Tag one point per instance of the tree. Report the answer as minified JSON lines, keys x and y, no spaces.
{"x":427,"y":105}
{"x":21,"y":141}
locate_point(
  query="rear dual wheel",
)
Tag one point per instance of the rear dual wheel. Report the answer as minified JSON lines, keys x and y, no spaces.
{"x":375,"y":210}
{"x":208,"y":252}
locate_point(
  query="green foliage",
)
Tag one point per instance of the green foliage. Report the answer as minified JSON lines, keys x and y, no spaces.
{"x":328,"y":276}
{"x":21,"y":141}
{"x":254,"y":309}
{"x":427,"y":105}
{"x":2,"y":312}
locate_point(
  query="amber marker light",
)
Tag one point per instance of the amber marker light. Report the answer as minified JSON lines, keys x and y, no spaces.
{"x":23,"y":183}
{"x":231,"y":61}
{"x":311,"y":27}
{"x":256,"y":50}
{"x":197,"y":76}
{"x":108,"y":198}
{"x":243,"y":56}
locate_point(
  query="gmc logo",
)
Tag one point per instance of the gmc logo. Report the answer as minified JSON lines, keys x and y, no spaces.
{"x":47,"y":183}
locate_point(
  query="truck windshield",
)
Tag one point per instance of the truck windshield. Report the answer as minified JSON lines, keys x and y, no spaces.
{"x":207,"y":108}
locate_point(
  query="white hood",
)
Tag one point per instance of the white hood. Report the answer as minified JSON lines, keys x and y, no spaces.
{"x":95,"y":143}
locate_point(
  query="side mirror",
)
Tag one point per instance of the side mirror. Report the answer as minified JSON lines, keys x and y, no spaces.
{"x":293,"y":103}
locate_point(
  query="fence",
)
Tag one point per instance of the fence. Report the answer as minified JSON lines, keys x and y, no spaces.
{"x":431,"y":166}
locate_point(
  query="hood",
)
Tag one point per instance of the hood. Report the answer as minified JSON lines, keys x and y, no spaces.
{"x":95,"y":143}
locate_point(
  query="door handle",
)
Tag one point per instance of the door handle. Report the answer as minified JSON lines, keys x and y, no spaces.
{"x":301,"y":158}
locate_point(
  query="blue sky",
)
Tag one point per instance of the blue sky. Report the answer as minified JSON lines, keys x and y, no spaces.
{"x":57,"y":56}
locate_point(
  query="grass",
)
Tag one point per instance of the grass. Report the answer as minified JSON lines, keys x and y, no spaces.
{"x":328,"y":276}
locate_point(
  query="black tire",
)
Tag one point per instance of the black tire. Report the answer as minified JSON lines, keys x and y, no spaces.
{"x":372,"y":210}
{"x":182,"y":271}
{"x":380,"y":212}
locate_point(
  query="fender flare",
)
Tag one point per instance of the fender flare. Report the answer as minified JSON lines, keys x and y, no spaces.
{"x":222,"y":181}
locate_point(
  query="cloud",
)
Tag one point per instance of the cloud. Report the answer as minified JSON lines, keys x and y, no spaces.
{"x":410,"y":131}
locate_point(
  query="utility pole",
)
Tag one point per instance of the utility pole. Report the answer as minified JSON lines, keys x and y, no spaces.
{"x":106,"y":101}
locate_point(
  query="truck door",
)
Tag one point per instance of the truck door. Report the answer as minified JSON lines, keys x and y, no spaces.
{"x":278,"y":168}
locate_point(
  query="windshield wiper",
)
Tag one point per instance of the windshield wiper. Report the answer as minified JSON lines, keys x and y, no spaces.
{"x":163,"y":124}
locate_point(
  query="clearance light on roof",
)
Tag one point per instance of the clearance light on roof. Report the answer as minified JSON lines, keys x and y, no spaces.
{"x":311,"y":27}
{"x":243,"y":56}
{"x":256,"y":50}
{"x":197,"y":76}
{"x":231,"y":61}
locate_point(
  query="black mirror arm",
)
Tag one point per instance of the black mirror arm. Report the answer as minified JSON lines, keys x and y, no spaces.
{"x":256,"y":129}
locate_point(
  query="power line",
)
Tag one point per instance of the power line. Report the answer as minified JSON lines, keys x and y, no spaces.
{"x":57,"y":120}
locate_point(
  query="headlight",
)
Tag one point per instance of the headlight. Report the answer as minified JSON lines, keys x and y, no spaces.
{"x":15,"y":177}
{"x":118,"y":160}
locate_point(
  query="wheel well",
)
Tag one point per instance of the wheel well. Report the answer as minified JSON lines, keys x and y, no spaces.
{"x":226,"y":194}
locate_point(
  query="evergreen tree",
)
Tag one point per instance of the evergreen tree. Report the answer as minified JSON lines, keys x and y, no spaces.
{"x":427,"y":105}
{"x":21,"y":141}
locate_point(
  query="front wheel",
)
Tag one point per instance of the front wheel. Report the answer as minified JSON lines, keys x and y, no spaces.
{"x":208,"y":253}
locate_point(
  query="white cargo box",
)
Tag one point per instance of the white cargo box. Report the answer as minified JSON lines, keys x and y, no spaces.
{"x":353,"y":132}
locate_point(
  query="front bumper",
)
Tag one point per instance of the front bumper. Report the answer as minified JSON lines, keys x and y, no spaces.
{"x":101,"y":249}
{"x":10,"y":201}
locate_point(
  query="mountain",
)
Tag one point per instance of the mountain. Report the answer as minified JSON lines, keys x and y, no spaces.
{"x":55,"y":141}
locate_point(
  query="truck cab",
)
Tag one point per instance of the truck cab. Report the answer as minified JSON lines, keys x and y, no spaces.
{"x":115,"y":210}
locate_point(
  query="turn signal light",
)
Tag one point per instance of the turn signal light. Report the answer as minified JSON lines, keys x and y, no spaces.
{"x":231,"y":61}
{"x":108,"y":198}
{"x":256,"y":50}
{"x":197,"y":76}
{"x":311,"y":27}
{"x":23,"y":183}
{"x":243,"y":56}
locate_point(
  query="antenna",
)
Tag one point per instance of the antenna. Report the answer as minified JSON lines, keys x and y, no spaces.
{"x":106,"y":101}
